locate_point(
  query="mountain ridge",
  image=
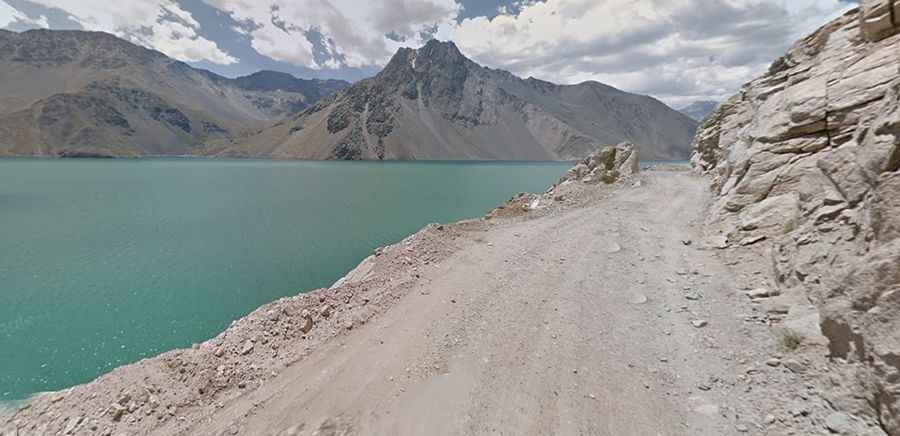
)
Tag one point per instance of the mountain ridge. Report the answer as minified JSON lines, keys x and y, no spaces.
{"x":72,"y":92}
{"x":76,"y":93}
{"x":698,"y":110}
{"x":435,"y":103}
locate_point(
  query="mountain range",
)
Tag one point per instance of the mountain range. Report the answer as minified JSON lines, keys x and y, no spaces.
{"x":74,"y":93}
{"x":698,"y":110}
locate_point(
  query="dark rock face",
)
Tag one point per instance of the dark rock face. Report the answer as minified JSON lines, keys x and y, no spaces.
{"x":171,"y":116}
{"x":213,"y":128}
{"x":806,"y":156}
{"x":58,"y":111}
{"x":139,"y":100}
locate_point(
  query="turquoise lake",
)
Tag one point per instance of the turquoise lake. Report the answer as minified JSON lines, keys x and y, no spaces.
{"x":105,"y":262}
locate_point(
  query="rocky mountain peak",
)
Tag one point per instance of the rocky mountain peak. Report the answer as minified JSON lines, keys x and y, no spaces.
{"x":439,"y":52}
{"x":435,"y":58}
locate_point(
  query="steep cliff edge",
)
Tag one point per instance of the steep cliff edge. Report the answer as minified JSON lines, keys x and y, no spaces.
{"x":808,"y":157}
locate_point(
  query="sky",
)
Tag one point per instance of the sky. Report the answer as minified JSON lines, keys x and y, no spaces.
{"x":679,"y":51}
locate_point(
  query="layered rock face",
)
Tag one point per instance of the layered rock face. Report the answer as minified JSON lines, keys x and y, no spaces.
{"x":434,"y":103}
{"x":808,"y":157}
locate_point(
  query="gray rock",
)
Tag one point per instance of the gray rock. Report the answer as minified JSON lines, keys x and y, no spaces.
{"x":718,"y":241}
{"x":71,"y":424}
{"x":637,"y":298}
{"x":840,"y":423}
{"x":763,"y":293}
{"x":306,"y":321}
{"x":794,"y":366}
{"x":247,"y":348}
{"x":117,"y":411}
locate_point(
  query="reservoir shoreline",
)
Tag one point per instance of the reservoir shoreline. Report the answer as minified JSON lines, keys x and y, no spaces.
{"x":257,"y":346}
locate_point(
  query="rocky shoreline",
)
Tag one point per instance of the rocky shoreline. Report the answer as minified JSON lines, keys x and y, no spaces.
{"x":168,"y":392}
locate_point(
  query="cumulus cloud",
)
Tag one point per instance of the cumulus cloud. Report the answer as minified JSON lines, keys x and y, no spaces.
{"x":159,"y":24}
{"x":678,"y":50}
{"x":10,"y":16}
{"x":337,"y":33}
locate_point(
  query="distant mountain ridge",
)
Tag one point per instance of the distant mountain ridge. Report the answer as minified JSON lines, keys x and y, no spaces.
{"x":434,"y":103}
{"x":75,"y":93}
{"x":91,"y":93}
{"x":698,"y":110}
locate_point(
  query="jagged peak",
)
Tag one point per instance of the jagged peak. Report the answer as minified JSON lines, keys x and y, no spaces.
{"x":435,"y":46}
{"x":434,"y":51}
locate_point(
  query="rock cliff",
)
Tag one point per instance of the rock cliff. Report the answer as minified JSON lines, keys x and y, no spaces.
{"x":808,"y":157}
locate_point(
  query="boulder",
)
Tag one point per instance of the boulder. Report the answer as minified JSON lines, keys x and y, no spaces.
{"x":306,"y":321}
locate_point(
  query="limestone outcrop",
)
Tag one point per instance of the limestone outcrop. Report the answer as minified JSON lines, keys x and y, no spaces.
{"x":807,"y":157}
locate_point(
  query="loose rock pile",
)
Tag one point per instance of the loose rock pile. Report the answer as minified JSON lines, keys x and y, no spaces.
{"x":808,"y":157}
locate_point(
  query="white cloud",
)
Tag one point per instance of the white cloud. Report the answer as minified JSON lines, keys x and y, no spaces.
{"x":159,"y":24}
{"x":679,"y":50}
{"x":353,"y":33}
{"x":10,"y":15}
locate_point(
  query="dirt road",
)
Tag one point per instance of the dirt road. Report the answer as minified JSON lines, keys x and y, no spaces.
{"x":611,"y":319}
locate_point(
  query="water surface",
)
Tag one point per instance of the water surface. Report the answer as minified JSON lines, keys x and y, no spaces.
{"x":104,"y":262}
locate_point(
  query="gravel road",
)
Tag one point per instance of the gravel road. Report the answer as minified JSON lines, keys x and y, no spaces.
{"x":601,"y":320}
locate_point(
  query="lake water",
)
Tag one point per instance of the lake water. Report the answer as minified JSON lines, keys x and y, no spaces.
{"x":105,"y":262}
